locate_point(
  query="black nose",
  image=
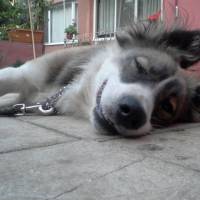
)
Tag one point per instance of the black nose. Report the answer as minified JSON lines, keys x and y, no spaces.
{"x":130,"y":113}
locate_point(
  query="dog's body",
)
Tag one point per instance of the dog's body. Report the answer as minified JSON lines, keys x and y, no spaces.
{"x":123,"y":87}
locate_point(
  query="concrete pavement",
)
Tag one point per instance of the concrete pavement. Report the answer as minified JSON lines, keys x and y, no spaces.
{"x":62,"y":158}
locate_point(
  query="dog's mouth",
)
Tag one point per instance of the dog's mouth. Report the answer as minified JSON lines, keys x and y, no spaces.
{"x":99,"y":115}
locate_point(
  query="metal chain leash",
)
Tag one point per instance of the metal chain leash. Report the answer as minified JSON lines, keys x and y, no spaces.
{"x":46,"y":107}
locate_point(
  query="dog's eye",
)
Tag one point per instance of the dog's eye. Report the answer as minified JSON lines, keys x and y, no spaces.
{"x":140,"y":61}
{"x":167,"y":108}
{"x":165,"y":111}
{"x":171,"y":103}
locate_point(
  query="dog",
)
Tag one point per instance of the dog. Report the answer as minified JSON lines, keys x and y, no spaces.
{"x":125,"y":87}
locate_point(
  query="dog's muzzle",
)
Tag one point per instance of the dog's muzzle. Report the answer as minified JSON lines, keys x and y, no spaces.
{"x":127,"y":113}
{"x":99,"y":117}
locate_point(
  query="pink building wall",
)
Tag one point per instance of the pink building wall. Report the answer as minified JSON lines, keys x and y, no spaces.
{"x":189,"y":10}
{"x":10,"y":52}
{"x":85,"y":19}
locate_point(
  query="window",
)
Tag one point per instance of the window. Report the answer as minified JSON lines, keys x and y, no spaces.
{"x":57,"y":19}
{"x":114,"y":14}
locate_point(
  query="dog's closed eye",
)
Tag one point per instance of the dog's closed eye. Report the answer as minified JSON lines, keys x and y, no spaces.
{"x":141,"y":63}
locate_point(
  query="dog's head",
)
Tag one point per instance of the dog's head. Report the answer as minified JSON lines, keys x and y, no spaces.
{"x":141,"y":83}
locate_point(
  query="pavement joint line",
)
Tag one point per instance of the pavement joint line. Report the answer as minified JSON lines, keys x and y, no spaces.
{"x":179,"y":128}
{"x":97,"y":178}
{"x":188,"y":168}
{"x":51,"y":129}
{"x":36,"y":147}
{"x":69,"y":135}
{"x":120,"y":168}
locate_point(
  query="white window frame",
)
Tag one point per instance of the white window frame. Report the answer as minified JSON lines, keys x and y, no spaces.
{"x":73,"y":16}
{"x":115,"y":18}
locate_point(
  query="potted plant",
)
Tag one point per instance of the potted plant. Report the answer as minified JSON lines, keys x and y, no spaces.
{"x":21,"y":31}
{"x":71,"y":31}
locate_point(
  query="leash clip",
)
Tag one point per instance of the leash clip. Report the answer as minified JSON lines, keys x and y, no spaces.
{"x":22,"y":109}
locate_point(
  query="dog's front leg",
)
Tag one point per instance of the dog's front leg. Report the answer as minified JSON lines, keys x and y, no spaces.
{"x":12,"y":81}
{"x":76,"y":100}
{"x":19,"y":80}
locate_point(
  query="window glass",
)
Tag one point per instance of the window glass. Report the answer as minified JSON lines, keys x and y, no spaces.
{"x":125,"y":12}
{"x":105,"y":16}
{"x":147,"y":8}
{"x":57,"y":23}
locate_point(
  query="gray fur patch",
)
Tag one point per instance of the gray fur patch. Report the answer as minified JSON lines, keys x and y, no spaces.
{"x":65,"y":70}
{"x":146,"y":65}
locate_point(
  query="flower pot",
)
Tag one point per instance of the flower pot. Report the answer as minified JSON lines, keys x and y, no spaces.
{"x":24,"y":35}
{"x":69,"y":36}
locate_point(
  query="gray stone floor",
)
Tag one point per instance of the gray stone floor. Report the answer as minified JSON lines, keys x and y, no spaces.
{"x":62,"y":158}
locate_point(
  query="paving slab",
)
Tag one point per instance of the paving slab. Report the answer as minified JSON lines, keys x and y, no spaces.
{"x":45,"y":173}
{"x":149,"y":179}
{"x":17,"y":135}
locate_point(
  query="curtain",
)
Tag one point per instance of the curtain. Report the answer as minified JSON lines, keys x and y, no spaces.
{"x":46,"y":26}
{"x":125,"y":12}
{"x":68,"y":14}
{"x":147,"y":8}
{"x":106,"y":16}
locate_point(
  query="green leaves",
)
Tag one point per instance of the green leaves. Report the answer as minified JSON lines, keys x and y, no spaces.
{"x":71,"y":29}
{"x":17,"y":16}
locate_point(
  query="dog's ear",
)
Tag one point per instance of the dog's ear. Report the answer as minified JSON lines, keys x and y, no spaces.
{"x":136,"y":35}
{"x":186,"y":45}
{"x":124,"y":39}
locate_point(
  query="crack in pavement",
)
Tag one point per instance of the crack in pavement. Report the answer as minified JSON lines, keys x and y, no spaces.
{"x":96,"y":178}
{"x":120,"y":168}
{"x":65,"y":192}
{"x":117,"y":170}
